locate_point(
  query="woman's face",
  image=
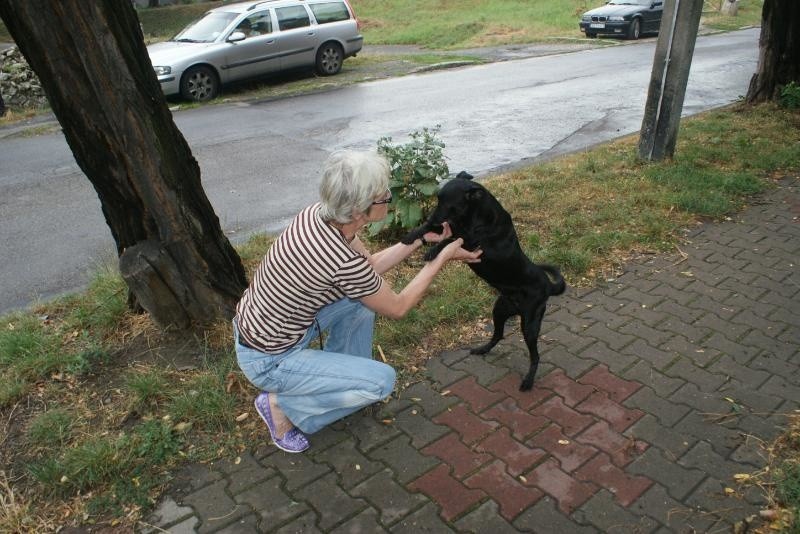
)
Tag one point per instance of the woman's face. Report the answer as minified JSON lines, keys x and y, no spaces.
{"x":380,"y":207}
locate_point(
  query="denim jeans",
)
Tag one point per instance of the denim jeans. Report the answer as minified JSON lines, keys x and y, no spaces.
{"x":317,"y":387}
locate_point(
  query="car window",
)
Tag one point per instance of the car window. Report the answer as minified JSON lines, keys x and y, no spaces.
{"x":292,"y":17}
{"x":206,"y":29}
{"x":329,"y":12}
{"x":256,"y":24}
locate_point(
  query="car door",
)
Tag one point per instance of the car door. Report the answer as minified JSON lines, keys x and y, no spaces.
{"x":258,"y":53}
{"x":297,"y":37}
{"x":652,"y":17}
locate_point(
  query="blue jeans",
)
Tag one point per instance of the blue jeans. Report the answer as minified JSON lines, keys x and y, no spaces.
{"x":317,"y":387}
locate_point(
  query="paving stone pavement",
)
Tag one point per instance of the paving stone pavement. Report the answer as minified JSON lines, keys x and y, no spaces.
{"x":653,"y":392}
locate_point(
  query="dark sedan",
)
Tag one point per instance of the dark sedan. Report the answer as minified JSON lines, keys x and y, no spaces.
{"x":629,"y":18}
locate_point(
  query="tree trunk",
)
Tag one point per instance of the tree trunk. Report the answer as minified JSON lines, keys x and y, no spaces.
{"x":779,"y":50}
{"x":91,"y":60}
{"x":729,"y":7}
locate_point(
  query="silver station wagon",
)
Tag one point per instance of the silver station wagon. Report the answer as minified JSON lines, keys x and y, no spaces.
{"x":245,"y":40}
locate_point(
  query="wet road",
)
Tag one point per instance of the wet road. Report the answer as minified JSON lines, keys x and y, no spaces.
{"x":260,"y":160}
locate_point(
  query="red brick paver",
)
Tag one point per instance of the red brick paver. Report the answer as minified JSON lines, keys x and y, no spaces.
{"x":512,"y":496}
{"x":450,"y":450}
{"x":448,"y":492}
{"x":563,"y":439}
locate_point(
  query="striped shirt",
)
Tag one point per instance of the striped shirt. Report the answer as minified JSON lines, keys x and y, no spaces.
{"x":310,"y":265}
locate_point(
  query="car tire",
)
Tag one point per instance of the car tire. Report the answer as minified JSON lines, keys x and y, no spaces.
{"x":199,"y":84}
{"x":635,"y":30}
{"x":330,"y":57}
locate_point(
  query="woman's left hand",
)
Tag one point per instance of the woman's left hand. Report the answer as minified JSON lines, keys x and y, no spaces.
{"x":433,"y":237}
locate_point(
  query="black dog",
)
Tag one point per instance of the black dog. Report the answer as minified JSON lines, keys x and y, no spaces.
{"x":475,"y":215}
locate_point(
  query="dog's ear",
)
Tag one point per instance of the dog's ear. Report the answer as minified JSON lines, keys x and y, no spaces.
{"x":465,"y":175}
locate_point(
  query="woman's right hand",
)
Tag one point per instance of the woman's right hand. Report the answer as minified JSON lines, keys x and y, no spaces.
{"x":454,"y":251}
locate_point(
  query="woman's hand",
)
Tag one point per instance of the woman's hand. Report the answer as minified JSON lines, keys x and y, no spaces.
{"x":433,"y":237}
{"x":454,"y":251}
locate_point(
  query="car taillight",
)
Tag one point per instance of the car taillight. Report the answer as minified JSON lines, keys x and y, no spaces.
{"x":353,"y":12}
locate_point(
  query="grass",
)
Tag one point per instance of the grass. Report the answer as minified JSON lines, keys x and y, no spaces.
{"x":119,"y":404}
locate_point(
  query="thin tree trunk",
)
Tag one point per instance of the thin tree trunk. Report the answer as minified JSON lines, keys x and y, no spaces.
{"x":779,"y":50}
{"x":92,"y":63}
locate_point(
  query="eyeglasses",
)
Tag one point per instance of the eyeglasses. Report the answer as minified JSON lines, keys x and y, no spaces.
{"x":387,"y":200}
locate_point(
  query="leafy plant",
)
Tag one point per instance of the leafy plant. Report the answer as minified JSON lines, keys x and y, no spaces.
{"x":417,"y":168}
{"x":790,"y":96}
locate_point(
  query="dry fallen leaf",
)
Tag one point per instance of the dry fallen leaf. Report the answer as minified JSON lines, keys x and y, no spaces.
{"x":241,"y":417}
{"x":563,"y":442}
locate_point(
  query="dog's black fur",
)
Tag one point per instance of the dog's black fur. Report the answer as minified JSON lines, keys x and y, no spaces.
{"x":475,"y":215}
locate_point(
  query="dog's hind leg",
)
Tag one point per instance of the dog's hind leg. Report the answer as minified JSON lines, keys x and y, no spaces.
{"x":531,"y":325}
{"x":503,"y":310}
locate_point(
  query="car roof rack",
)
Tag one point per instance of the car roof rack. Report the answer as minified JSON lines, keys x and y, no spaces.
{"x":256,"y":4}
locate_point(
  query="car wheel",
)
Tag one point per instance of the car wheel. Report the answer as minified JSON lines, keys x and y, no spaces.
{"x":199,"y":84}
{"x":329,"y":59}
{"x":635,"y":30}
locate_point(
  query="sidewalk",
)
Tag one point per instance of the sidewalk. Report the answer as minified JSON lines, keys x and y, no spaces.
{"x":653,"y":392}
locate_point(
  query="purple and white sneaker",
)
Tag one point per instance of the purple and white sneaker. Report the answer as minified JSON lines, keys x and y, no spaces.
{"x":293,"y":441}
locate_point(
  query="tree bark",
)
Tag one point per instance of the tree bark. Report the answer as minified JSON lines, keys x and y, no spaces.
{"x":779,"y":50}
{"x":91,"y":60}
{"x":729,"y":7}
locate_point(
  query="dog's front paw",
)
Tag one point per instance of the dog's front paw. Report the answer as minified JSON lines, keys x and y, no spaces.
{"x":412,"y":236}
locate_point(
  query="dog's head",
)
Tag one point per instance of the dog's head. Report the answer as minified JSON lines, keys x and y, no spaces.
{"x":457,"y":201}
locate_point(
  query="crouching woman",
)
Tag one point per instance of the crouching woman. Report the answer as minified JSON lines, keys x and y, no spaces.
{"x":318,"y":281}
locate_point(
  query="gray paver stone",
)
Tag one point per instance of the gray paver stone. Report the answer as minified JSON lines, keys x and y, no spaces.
{"x":545,"y":517}
{"x":214,"y":507}
{"x":271,"y":502}
{"x":405,"y":461}
{"x":678,"y":480}
{"x":668,"y":412}
{"x":350,"y":465}
{"x":305,"y":524}
{"x":603,"y":512}
{"x":426,"y":519}
{"x":297,"y":469}
{"x":168,"y":513}
{"x":366,"y":522}
{"x":385,"y":494}
{"x":483,"y":519}
{"x":330,"y":501}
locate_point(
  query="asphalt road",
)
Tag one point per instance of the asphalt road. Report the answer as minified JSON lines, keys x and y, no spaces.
{"x":261,"y":160}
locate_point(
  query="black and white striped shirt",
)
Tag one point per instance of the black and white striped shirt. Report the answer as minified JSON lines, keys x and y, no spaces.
{"x":309,"y":266}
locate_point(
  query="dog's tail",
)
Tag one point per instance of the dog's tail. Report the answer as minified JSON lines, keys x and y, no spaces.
{"x":557,"y":285}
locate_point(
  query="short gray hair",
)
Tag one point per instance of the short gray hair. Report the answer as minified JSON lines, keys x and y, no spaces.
{"x":351,"y":181}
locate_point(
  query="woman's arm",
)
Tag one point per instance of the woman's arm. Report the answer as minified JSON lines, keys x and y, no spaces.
{"x":395,"y":305}
{"x":389,"y":257}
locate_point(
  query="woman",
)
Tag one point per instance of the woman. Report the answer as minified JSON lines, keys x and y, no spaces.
{"x":318,"y":277}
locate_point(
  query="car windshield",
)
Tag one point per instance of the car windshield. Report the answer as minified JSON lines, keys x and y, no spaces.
{"x":630,"y":2}
{"x":206,"y":29}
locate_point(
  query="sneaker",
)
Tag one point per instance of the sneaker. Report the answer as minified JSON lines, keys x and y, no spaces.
{"x":293,"y":441}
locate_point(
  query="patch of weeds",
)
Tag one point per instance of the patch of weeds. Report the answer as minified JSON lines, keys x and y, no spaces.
{"x":149,"y":388}
{"x":107,"y":464}
{"x":86,"y":361}
{"x":103,"y":303}
{"x":790,"y":96}
{"x":51,"y":429}
{"x":204,"y":402}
